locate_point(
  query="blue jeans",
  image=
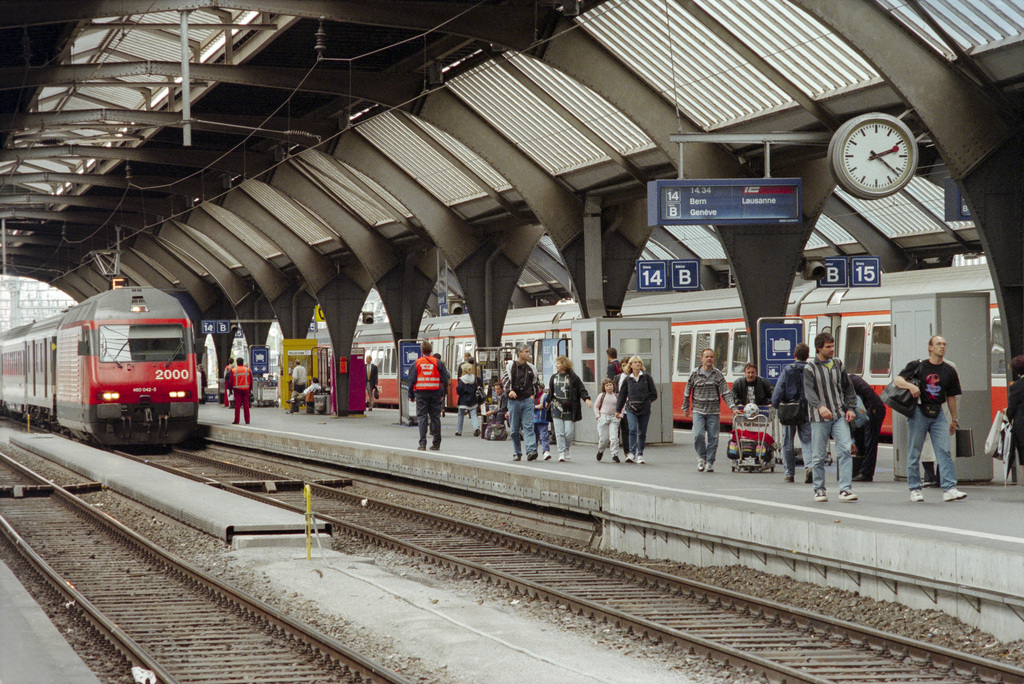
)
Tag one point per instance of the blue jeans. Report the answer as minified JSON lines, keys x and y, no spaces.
{"x":463,"y":410}
{"x":705,"y":435}
{"x":789,"y":434}
{"x":637,"y":431}
{"x":520,"y":416}
{"x":540,"y":429}
{"x":565,"y":432}
{"x":938,"y":427}
{"x":839,"y":430}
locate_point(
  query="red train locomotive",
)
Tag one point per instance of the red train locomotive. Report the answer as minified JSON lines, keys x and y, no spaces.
{"x":117,"y":369}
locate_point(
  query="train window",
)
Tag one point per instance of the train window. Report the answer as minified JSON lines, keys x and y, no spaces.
{"x":881,"y":349}
{"x":740,"y":351}
{"x":588,"y":341}
{"x":684,"y":353}
{"x":853,"y":355}
{"x":998,"y":353}
{"x":721,"y":350}
{"x":124,"y":343}
{"x":703,"y":342}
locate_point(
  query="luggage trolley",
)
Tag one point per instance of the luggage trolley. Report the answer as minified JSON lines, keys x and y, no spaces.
{"x":751,"y":446}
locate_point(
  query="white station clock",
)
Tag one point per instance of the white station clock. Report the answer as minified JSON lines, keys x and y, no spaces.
{"x":873,"y":156}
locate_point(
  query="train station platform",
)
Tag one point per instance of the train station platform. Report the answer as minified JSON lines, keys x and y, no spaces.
{"x":31,"y":647}
{"x":217,"y":512}
{"x":961,"y":557}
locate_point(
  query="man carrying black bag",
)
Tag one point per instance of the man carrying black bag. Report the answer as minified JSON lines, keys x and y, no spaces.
{"x":790,"y":390}
{"x":933,"y":382}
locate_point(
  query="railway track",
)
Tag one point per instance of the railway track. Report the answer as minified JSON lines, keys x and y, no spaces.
{"x":763,"y":637}
{"x":161,"y":613}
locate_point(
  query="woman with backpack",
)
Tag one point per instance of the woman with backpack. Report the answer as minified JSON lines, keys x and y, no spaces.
{"x":636,"y":393}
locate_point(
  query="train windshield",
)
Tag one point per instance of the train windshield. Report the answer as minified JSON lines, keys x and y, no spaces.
{"x":138,"y":343}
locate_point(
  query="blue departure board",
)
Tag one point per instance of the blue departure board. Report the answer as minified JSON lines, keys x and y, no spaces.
{"x":724,"y":201}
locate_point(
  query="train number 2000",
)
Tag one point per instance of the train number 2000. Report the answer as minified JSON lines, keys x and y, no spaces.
{"x":173,"y":374}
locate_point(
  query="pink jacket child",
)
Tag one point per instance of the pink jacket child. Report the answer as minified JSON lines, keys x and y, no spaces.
{"x":607,"y":423}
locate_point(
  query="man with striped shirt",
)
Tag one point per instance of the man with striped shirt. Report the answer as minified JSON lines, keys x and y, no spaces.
{"x":831,"y":402}
{"x":704,"y":390}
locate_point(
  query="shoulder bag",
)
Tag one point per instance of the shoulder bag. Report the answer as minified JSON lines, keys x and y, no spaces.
{"x":901,"y":400}
{"x":792,"y":412}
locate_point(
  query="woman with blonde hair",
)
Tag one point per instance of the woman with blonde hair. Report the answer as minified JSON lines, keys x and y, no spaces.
{"x":468,"y":399}
{"x":565,"y":395}
{"x":636,"y":393}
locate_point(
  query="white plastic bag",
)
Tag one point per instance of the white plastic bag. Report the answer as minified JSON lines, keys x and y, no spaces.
{"x":995,"y":435}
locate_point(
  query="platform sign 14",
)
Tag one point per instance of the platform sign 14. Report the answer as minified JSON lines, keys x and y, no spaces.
{"x":651,"y":275}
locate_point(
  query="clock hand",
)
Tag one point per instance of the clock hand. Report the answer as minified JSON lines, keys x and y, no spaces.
{"x":876,"y":155}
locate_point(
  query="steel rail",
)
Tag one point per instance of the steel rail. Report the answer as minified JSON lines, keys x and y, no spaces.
{"x":359,"y":664}
{"x":959,"y":665}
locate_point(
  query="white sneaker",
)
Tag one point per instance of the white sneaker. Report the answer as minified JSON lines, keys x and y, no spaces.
{"x":953,"y":494}
{"x":820,"y":496}
{"x":547,"y":455}
{"x":847,"y":495}
{"x":701,"y":464}
{"x":709,"y":468}
{"x":629,"y":458}
{"x":561,"y":458}
{"x":916,"y":496}
{"x":640,"y":459}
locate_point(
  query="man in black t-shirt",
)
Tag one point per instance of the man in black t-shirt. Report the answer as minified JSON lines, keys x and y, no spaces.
{"x":934,"y":383}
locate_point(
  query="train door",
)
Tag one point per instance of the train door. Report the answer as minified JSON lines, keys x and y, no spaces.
{"x":649,"y":339}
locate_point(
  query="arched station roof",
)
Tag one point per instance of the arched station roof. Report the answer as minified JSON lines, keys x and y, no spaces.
{"x":340,"y":146}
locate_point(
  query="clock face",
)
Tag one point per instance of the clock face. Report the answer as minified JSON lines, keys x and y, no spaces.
{"x":873,"y":156}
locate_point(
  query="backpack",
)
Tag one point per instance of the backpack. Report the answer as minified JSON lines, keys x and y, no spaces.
{"x":794,"y":389}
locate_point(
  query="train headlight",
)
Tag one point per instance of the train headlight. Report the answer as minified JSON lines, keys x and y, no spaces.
{"x":110,"y":396}
{"x":178,"y":395}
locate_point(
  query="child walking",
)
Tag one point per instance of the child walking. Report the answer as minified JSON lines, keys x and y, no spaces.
{"x":607,"y":423}
{"x":540,"y":422}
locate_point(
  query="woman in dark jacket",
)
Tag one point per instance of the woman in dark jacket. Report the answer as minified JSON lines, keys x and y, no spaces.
{"x":467,"y":399}
{"x":565,"y":394}
{"x":636,"y":393}
{"x":1015,"y":406}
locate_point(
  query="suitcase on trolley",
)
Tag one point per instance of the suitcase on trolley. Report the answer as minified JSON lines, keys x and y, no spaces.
{"x":751,"y":447}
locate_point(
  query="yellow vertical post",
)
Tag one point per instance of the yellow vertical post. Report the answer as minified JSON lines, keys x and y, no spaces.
{"x":28,"y":421}
{"x":307,"y":492}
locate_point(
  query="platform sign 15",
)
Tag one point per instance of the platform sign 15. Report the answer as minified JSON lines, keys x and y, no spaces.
{"x":736,"y":201}
{"x":685,"y":274}
{"x":865,"y":271}
{"x":836,"y":273}
{"x":776,"y":345}
{"x":651,"y":276}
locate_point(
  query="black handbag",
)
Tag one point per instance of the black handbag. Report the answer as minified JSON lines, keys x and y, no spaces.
{"x":899,"y":400}
{"x":792,"y":412}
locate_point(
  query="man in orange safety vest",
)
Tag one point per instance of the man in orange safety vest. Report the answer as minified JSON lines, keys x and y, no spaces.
{"x":426,"y":383}
{"x":241,"y":384}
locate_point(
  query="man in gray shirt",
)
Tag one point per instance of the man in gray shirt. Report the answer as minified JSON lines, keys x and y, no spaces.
{"x":830,"y":402}
{"x":704,"y":390}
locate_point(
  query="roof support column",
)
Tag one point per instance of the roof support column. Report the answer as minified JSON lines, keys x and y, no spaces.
{"x":593,"y":268}
{"x":977,"y":136}
{"x":995,"y":195}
